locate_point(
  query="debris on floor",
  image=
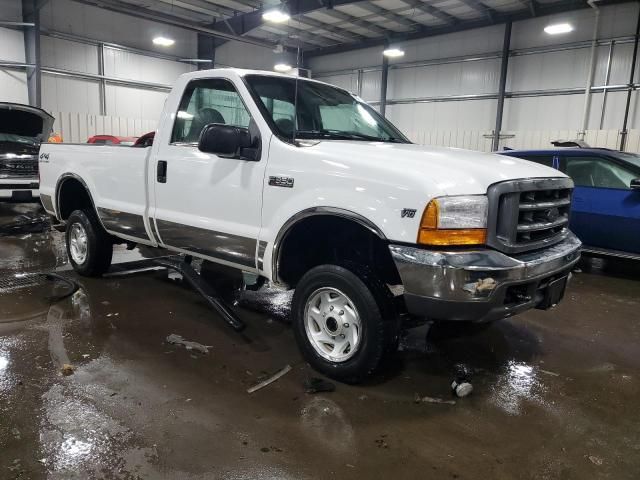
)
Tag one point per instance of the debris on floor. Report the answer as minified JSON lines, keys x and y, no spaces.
{"x":270,"y":380}
{"x":419,"y":399}
{"x":461,"y":388}
{"x":318,"y":385}
{"x":189,"y":345}
{"x":595,"y":460}
{"x":67,"y":369}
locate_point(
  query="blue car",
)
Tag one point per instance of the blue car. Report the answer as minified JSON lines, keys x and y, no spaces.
{"x":605,"y":213}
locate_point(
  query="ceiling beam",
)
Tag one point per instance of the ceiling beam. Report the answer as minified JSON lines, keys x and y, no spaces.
{"x":389,"y":15}
{"x":358,"y":22}
{"x":431,"y":10}
{"x":480,"y":8}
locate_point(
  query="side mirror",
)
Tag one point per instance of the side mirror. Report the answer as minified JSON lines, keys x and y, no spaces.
{"x":635,"y":184}
{"x":227,"y":141}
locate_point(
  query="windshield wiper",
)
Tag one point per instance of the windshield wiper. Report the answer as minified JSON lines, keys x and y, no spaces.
{"x":342,"y":135}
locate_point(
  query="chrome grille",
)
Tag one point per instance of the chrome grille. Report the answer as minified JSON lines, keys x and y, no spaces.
{"x":529,"y":214}
{"x":19,"y":168}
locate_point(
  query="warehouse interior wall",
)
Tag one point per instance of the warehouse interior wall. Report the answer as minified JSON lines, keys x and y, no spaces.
{"x":443,"y":91}
{"x":72,"y":35}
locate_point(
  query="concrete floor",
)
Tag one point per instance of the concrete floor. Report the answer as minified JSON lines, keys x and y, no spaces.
{"x":556,"y":393}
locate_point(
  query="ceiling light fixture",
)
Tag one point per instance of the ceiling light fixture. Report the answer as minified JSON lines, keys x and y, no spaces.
{"x":275,"y":16}
{"x":163,"y":41}
{"x":393,"y":52}
{"x":558,"y":28}
{"x":282,"y":67}
{"x":196,"y":60}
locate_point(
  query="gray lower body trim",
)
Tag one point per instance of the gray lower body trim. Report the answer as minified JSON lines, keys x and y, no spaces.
{"x":47,"y":203}
{"x":224,"y":246}
{"x":128,"y":224}
{"x":262,"y":247}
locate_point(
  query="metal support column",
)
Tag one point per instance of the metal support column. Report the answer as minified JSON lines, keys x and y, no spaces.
{"x":506,"y":45}
{"x":31,"y":14}
{"x":623,"y":133}
{"x":383,"y":86}
{"x":359,"y":82}
{"x":102,"y":86}
{"x":206,"y":51}
{"x":607,"y":76}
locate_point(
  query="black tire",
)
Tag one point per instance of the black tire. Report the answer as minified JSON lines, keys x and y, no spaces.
{"x":378,"y":317}
{"x":99,"y":244}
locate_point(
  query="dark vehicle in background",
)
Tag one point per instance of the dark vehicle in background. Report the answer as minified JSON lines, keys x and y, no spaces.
{"x":112,"y":140}
{"x":22,"y":129}
{"x":605,"y":213}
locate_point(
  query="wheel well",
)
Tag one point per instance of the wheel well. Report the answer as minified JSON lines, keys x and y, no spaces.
{"x":323,"y":239}
{"x":72,"y":195}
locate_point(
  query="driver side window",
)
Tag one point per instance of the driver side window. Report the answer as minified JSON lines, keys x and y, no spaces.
{"x":208,"y":101}
{"x":598,"y":172}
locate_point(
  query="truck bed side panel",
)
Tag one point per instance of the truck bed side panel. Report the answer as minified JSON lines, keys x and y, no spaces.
{"x":115,"y":177}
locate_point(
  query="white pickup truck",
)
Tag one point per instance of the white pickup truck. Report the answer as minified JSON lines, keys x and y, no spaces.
{"x":305,"y":185}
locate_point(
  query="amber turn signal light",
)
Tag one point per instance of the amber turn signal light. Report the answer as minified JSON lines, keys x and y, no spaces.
{"x":430,"y":234}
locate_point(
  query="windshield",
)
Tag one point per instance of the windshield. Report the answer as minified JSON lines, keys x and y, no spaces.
{"x":632,"y":158}
{"x":323,"y":111}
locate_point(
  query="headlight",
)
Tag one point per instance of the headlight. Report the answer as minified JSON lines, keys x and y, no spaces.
{"x":454,"y":221}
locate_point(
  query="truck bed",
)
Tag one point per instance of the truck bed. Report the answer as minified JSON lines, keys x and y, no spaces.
{"x":117,"y":175}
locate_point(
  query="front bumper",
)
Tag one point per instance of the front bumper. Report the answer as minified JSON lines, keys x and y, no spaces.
{"x":480,"y":285}
{"x":19,"y":189}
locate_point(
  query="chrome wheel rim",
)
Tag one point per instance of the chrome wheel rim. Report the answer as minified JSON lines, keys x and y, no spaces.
{"x":78,"y":243}
{"x":332,"y":324}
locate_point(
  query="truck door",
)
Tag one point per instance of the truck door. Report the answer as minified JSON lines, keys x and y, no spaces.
{"x":605,"y":211}
{"x":206,"y":204}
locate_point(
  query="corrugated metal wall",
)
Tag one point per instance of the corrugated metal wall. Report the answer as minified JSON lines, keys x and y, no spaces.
{"x":78,"y":127}
{"x":443,"y":90}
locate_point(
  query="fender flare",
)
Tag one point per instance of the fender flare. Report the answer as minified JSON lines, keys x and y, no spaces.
{"x":313,"y":212}
{"x":61,"y":181}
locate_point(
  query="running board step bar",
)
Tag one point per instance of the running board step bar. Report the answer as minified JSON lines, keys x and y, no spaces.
{"x":212,"y":297}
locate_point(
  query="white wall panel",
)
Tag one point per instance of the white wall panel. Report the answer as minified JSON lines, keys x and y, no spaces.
{"x":63,"y":93}
{"x":548,"y":71}
{"x":13,"y":86}
{"x":371,"y":86}
{"x":11,"y":10}
{"x":131,"y":66}
{"x":11,"y":45}
{"x":99,"y":24}
{"x":615,"y":20}
{"x":417,"y":120}
{"x":242,"y":55}
{"x":348,"y":82}
{"x":68,"y":55}
{"x":444,"y":80}
{"x":134,"y":103}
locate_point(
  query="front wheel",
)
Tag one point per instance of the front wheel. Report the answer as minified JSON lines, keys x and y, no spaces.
{"x":89,"y":246}
{"x":344,"y":321}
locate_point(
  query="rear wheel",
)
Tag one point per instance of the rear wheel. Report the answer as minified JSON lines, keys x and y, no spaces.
{"x":89,"y":246}
{"x":344,"y":321}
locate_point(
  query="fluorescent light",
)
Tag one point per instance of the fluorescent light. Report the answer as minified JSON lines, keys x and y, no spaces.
{"x":282,"y":67}
{"x":558,"y":28}
{"x":163,"y":41}
{"x":276,"y":16}
{"x":196,"y":60}
{"x":393,"y":52}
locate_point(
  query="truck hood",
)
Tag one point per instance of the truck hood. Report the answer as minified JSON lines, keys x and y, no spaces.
{"x":451,"y":171}
{"x":23,"y":124}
